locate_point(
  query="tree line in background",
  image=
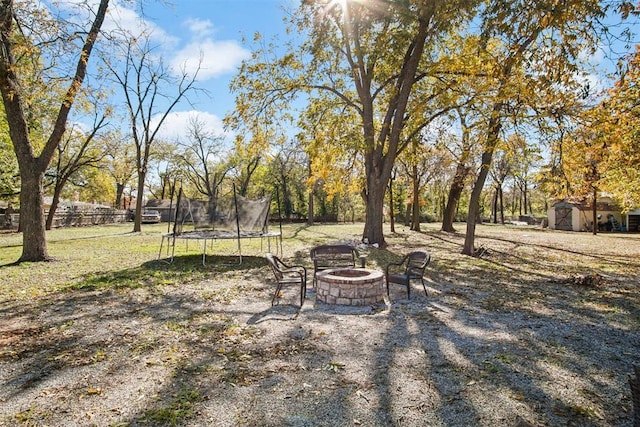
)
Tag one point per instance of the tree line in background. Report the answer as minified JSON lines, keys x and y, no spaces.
{"x":387,"y":110}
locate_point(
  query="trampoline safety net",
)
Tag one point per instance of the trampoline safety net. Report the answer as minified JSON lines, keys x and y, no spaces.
{"x":233,"y":217}
{"x":237,"y":215}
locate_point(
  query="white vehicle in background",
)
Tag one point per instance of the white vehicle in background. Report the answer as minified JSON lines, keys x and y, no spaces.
{"x":150,"y":216}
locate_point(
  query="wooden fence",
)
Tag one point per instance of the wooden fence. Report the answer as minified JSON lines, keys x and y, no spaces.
{"x":75,"y":218}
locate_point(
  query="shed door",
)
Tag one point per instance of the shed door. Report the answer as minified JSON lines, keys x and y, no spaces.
{"x":563,"y":218}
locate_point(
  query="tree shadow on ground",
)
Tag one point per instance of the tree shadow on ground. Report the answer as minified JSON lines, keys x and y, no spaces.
{"x":561,"y":365}
{"x":184,"y":343}
{"x":159,"y":272}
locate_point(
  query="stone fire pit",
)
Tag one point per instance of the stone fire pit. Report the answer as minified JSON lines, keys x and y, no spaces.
{"x":350,"y":286}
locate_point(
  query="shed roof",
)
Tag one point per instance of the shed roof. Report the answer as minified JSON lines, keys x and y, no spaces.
{"x":161,"y":204}
{"x":604,"y":204}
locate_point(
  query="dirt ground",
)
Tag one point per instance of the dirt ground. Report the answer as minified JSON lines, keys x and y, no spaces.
{"x":541,"y":330}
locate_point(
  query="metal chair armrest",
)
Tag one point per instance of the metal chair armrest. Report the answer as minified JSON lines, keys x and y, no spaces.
{"x":397,"y":263}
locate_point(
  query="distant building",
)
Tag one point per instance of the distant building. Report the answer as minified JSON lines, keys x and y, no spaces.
{"x":578,"y":216}
{"x":633,"y":220}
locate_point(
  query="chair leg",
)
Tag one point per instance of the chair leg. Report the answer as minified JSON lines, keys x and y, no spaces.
{"x":275,"y":295}
{"x":409,"y":289}
{"x":425,"y":288}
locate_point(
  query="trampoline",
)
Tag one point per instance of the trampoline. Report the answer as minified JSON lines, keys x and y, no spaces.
{"x":232,"y":218}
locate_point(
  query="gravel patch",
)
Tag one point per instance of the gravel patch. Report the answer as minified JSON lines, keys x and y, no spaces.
{"x":516,"y":337}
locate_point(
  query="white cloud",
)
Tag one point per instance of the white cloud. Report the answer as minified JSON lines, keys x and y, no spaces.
{"x":176,"y":124}
{"x":199,"y":27}
{"x":214,"y":58}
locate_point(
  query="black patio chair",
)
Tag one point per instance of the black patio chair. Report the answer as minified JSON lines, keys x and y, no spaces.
{"x":410,"y":267}
{"x":287,"y":275}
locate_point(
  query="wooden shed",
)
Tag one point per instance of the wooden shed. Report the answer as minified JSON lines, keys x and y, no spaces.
{"x":578,"y":216}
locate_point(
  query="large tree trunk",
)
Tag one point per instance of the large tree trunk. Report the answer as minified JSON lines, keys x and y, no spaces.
{"x":454,"y":197}
{"x":493,"y":133}
{"x":378,"y":173}
{"x":392,"y":217}
{"x":310,"y":208}
{"x":501,"y":193}
{"x":137,"y":222}
{"x":287,"y":203}
{"x":119,"y":193}
{"x":34,"y":243}
{"x":407,"y":214}
{"x":494,"y":212}
{"x":55,"y":201}
{"x":457,"y":186}
{"x":474,"y":204}
{"x":373,"y":232}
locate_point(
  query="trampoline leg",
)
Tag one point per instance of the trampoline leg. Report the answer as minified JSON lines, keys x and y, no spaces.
{"x":171,"y":246}
{"x":204,"y":253}
{"x":171,"y":239}
{"x":162,"y":243}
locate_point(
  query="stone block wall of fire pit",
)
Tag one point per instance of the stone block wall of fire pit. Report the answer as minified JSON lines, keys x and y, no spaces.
{"x":350,"y":286}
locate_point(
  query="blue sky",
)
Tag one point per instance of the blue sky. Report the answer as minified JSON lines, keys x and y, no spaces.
{"x":218,"y":31}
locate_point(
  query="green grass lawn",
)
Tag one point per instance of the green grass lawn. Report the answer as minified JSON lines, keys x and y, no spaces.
{"x":112,"y":256}
{"x":79,"y":255}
